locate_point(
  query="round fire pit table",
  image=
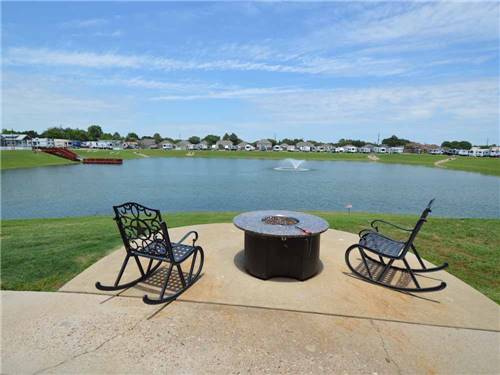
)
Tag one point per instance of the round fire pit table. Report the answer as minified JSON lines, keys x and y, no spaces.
{"x":281,"y":243}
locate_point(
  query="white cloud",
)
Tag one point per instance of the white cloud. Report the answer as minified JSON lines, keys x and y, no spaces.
{"x":414,"y":25}
{"x":85,"y":23}
{"x":475,"y":102}
{"x":242,"y":93}
{"x":38,"y":104}
{"x":331,"y":66}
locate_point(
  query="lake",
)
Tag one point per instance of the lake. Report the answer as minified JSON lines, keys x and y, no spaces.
{"x":184,"y":184}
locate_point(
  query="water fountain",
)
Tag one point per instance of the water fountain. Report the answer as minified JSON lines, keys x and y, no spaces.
{"x":293,"y":165}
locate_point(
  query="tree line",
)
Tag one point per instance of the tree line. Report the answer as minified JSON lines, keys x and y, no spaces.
{"x":95,"y":132}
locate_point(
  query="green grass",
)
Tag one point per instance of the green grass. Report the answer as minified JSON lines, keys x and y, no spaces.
{"x":482,"y":165}
{"x":28,"y":159}
{"x":43,"y":254}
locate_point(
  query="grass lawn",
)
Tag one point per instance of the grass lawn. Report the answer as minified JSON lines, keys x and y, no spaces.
{"x":43,"y":254}
{"x":469,"y":164}
{"x":28,"y":159}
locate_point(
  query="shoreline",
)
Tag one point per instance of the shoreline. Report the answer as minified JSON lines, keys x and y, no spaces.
{"x":11,"y":160}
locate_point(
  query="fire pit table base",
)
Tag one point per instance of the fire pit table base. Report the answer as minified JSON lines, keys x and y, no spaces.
{"x":267,"y":257}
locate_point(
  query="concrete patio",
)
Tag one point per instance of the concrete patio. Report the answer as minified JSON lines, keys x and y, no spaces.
{"x":231,"y":322}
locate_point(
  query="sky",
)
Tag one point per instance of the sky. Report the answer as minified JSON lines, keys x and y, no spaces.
{"x":425,"y":71}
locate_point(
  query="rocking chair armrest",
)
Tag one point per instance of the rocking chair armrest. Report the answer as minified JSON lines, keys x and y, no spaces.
{"x":187,"y":235}
{"x":364,"y":231}
{"x":372,"y":224}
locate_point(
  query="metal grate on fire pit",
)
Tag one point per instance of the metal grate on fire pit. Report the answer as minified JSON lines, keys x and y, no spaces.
{"x":279,"y":220}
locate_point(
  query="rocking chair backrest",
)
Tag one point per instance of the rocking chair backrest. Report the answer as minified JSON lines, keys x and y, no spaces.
{"x":142,"y":229}
{"x":418,"y":226}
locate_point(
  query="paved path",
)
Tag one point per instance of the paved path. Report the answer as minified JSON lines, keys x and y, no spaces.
{"x":230,"y":322}
{"x":440,"y":163}
{"x":142,"y":155}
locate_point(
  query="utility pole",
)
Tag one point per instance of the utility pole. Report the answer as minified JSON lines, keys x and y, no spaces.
{"x":487,"y":142}
{"x":378,"y":139}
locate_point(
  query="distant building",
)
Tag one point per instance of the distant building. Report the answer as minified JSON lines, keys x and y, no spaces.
{"x":130,"y":145}
{"x":305,"y":146}
{"x":15,"y":141}
{"x":203,"y":145}
{"x":62,"y":142}
{"x":284,"y":146}
{"x":148,"y":143}
{"x":495,"y":151}
{"x":366,"y":149}
{"x":184,"y":145}
{"x":350,"y":148}
{"x":436,"y":151}
{"x":338,"y":149}
{"x":264,"y":145}
{"x":43,"y":142}
{"x":241,"y":146}
{"x":380,"y":149}
{"x":167,"y":145}
{"x":396,"y":150}
{"x":327,"y":147}
{"x":479,"y":152}
{"x":226,"y":145}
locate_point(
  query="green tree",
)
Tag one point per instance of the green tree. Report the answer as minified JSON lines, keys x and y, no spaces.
{"x":106,"y":136}
{"x":395,"y":141}
{"x":354,"y":142}
{"x":54,"y":132}
{"x":94,"y":132}
{"x":194,"y":140}
{"x":290,"y":141}
{"x":116,"y":136}
{"x":157,"y":137}
{"x":77,"y":134}
{"x":231,"y":137}
{"x":462,"y":145}
{"x":211,"y":139}
{"x":465,"y":145}
{"x":131,"y":137}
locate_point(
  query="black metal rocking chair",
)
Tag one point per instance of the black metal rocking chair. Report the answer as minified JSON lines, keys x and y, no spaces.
{"x":145,"y":234}
{"x":388,"y":251}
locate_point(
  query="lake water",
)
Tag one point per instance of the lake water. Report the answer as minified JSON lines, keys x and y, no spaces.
{"x":184,"y":184}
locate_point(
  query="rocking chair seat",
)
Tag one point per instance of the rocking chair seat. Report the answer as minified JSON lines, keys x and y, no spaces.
{"x":381,"y":244}
{"x":180,"y":251}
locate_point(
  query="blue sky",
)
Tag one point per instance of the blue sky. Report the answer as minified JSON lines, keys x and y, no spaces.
{"x":424,"y":71}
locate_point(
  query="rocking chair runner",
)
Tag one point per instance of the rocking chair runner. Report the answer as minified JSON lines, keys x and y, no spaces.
{"x":388,"y":251}
{"x":144,"y":234}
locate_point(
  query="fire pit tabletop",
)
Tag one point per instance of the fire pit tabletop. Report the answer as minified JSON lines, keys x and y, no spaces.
{"x":280,"y":223}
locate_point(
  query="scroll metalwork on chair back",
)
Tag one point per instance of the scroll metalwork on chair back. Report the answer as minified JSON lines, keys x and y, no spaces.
{"x":141,"y":230}
{"x":145,"y":235}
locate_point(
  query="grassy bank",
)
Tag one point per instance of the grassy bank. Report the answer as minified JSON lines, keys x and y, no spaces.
{"x":480,"y":165}
{"x":28,"y":159}
{"x":42,"y":254}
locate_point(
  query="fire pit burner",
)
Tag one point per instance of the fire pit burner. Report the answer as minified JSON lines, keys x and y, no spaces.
{"x":276,"y":245}
{"x":280,"y":220}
